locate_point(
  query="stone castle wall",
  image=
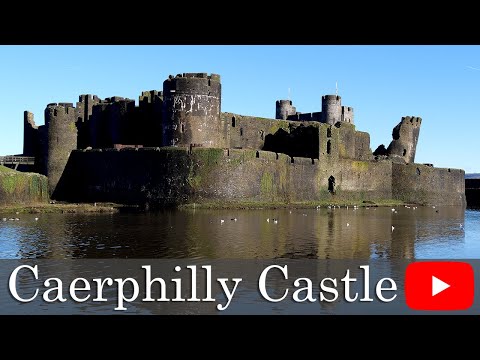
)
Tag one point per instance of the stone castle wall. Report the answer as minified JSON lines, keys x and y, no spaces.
{"x":172,"y":176}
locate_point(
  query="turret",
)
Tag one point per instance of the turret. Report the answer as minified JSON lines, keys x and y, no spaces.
{"x":347,"y":114}
{"x":405,"y":138}
{"x":150,"y":117}
{"x":60,"y":120}
{"x":331,"y":109}
{"x":284,"y":108}
{"x":191,"y":111}
{"x":84,"y":112}
{"x":30,"y":134}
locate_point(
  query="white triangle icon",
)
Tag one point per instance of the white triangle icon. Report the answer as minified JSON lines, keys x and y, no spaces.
{"x":438,"y":286}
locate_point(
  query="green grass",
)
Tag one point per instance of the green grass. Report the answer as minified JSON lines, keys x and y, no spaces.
{"x":61,"y":208}
{"x":4,"y":169}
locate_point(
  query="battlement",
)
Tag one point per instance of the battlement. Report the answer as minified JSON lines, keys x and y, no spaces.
{"x":117,"y":99}
{"x":88,"y":98}
{"x":331,"y":98}
{"x":193,"y":83}
{"x":316,"y":116}
{"x":284,"y":102}
{"x":59,"y":109}
{"x":415,"y":121}
{"x":214,"y":77}
{"x":150,"y":96}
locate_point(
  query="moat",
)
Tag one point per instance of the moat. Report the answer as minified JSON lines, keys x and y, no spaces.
{"x":420,"y":233}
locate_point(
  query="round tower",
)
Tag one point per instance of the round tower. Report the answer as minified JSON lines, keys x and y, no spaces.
{"x":284,"y":108}
{"x":192,"y":104}
{"x":331,"y":109}
{"x":60,"y":120}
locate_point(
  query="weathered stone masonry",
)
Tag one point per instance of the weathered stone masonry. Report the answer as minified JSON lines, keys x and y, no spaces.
{"x":177,"y":147}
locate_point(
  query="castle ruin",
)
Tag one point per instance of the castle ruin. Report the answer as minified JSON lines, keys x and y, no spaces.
{"x":177,"y":146}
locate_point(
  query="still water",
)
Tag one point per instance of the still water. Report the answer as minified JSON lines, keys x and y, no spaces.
{"x":423,"y":233}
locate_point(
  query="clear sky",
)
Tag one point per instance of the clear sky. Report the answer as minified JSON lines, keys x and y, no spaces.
{"x":441,"y":84}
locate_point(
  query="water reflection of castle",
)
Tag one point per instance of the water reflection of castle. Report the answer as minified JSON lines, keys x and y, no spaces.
{"x":321,"y":234}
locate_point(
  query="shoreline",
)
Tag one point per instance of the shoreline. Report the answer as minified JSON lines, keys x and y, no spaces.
{"x":112,"y":208}
{"x":294,"y":205}
{"x":62,"y":208}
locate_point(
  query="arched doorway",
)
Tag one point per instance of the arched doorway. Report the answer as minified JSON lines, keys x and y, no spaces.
{"x":331,"y":185}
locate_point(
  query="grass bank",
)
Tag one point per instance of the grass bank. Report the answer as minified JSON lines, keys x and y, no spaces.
{"x":61,"y":208}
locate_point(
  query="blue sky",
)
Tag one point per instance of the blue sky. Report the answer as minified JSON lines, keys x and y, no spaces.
{"x":441,"y":84}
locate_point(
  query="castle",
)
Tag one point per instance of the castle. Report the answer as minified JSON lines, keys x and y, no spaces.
{"x":178,"y":147}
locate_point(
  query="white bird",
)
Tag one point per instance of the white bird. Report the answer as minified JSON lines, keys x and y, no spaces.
{"x":393,"y":209}
{"x":11,"y":219}
{"x":348,"y":224}
{"x":290,"y":211}
{"x":222,"y":221}
{"x":393,"y":228}
{"x":275,"y":221}
{"x":17,"y":213}
{"x":36,"y":219}
{"x":16,"y":219}
{"x":234,"y":219}
{"x":268,"y":220}
{"x":433,"y":207}
{"x":4,"y":219}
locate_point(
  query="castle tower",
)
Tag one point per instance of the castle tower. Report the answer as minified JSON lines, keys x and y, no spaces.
{"x":30,"y":134}
{"x":84,"y":112}
{"x":60,"y":120}
{"x":150,"y":116}
{"x":347,"y":114}
{"x":191,"y":111}
{"x":405,"y":138}
{"x":331,"y":109}
{"x":284,"y":108}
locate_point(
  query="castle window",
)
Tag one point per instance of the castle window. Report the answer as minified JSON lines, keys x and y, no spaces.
{"x":182,"y":128}
{"x":418,"y":171}
{"x":257,"y":155}
{"x":404,"y":152}
{"x":241,"y":131}
{"x":329,"y":147}
{"x":233,"y":121}
{"x":329,"y":132}
{"x":55,"y":112}
{"x":331,"y":185}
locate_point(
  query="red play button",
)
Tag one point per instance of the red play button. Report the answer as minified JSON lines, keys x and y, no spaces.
{"x":442,"y":285}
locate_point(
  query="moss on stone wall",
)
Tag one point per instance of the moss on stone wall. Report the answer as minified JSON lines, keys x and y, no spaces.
{"x":266,"y":185}
{"x":22,"y":188}
{"x":360,"y":165}
{"x":174,"y":176}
